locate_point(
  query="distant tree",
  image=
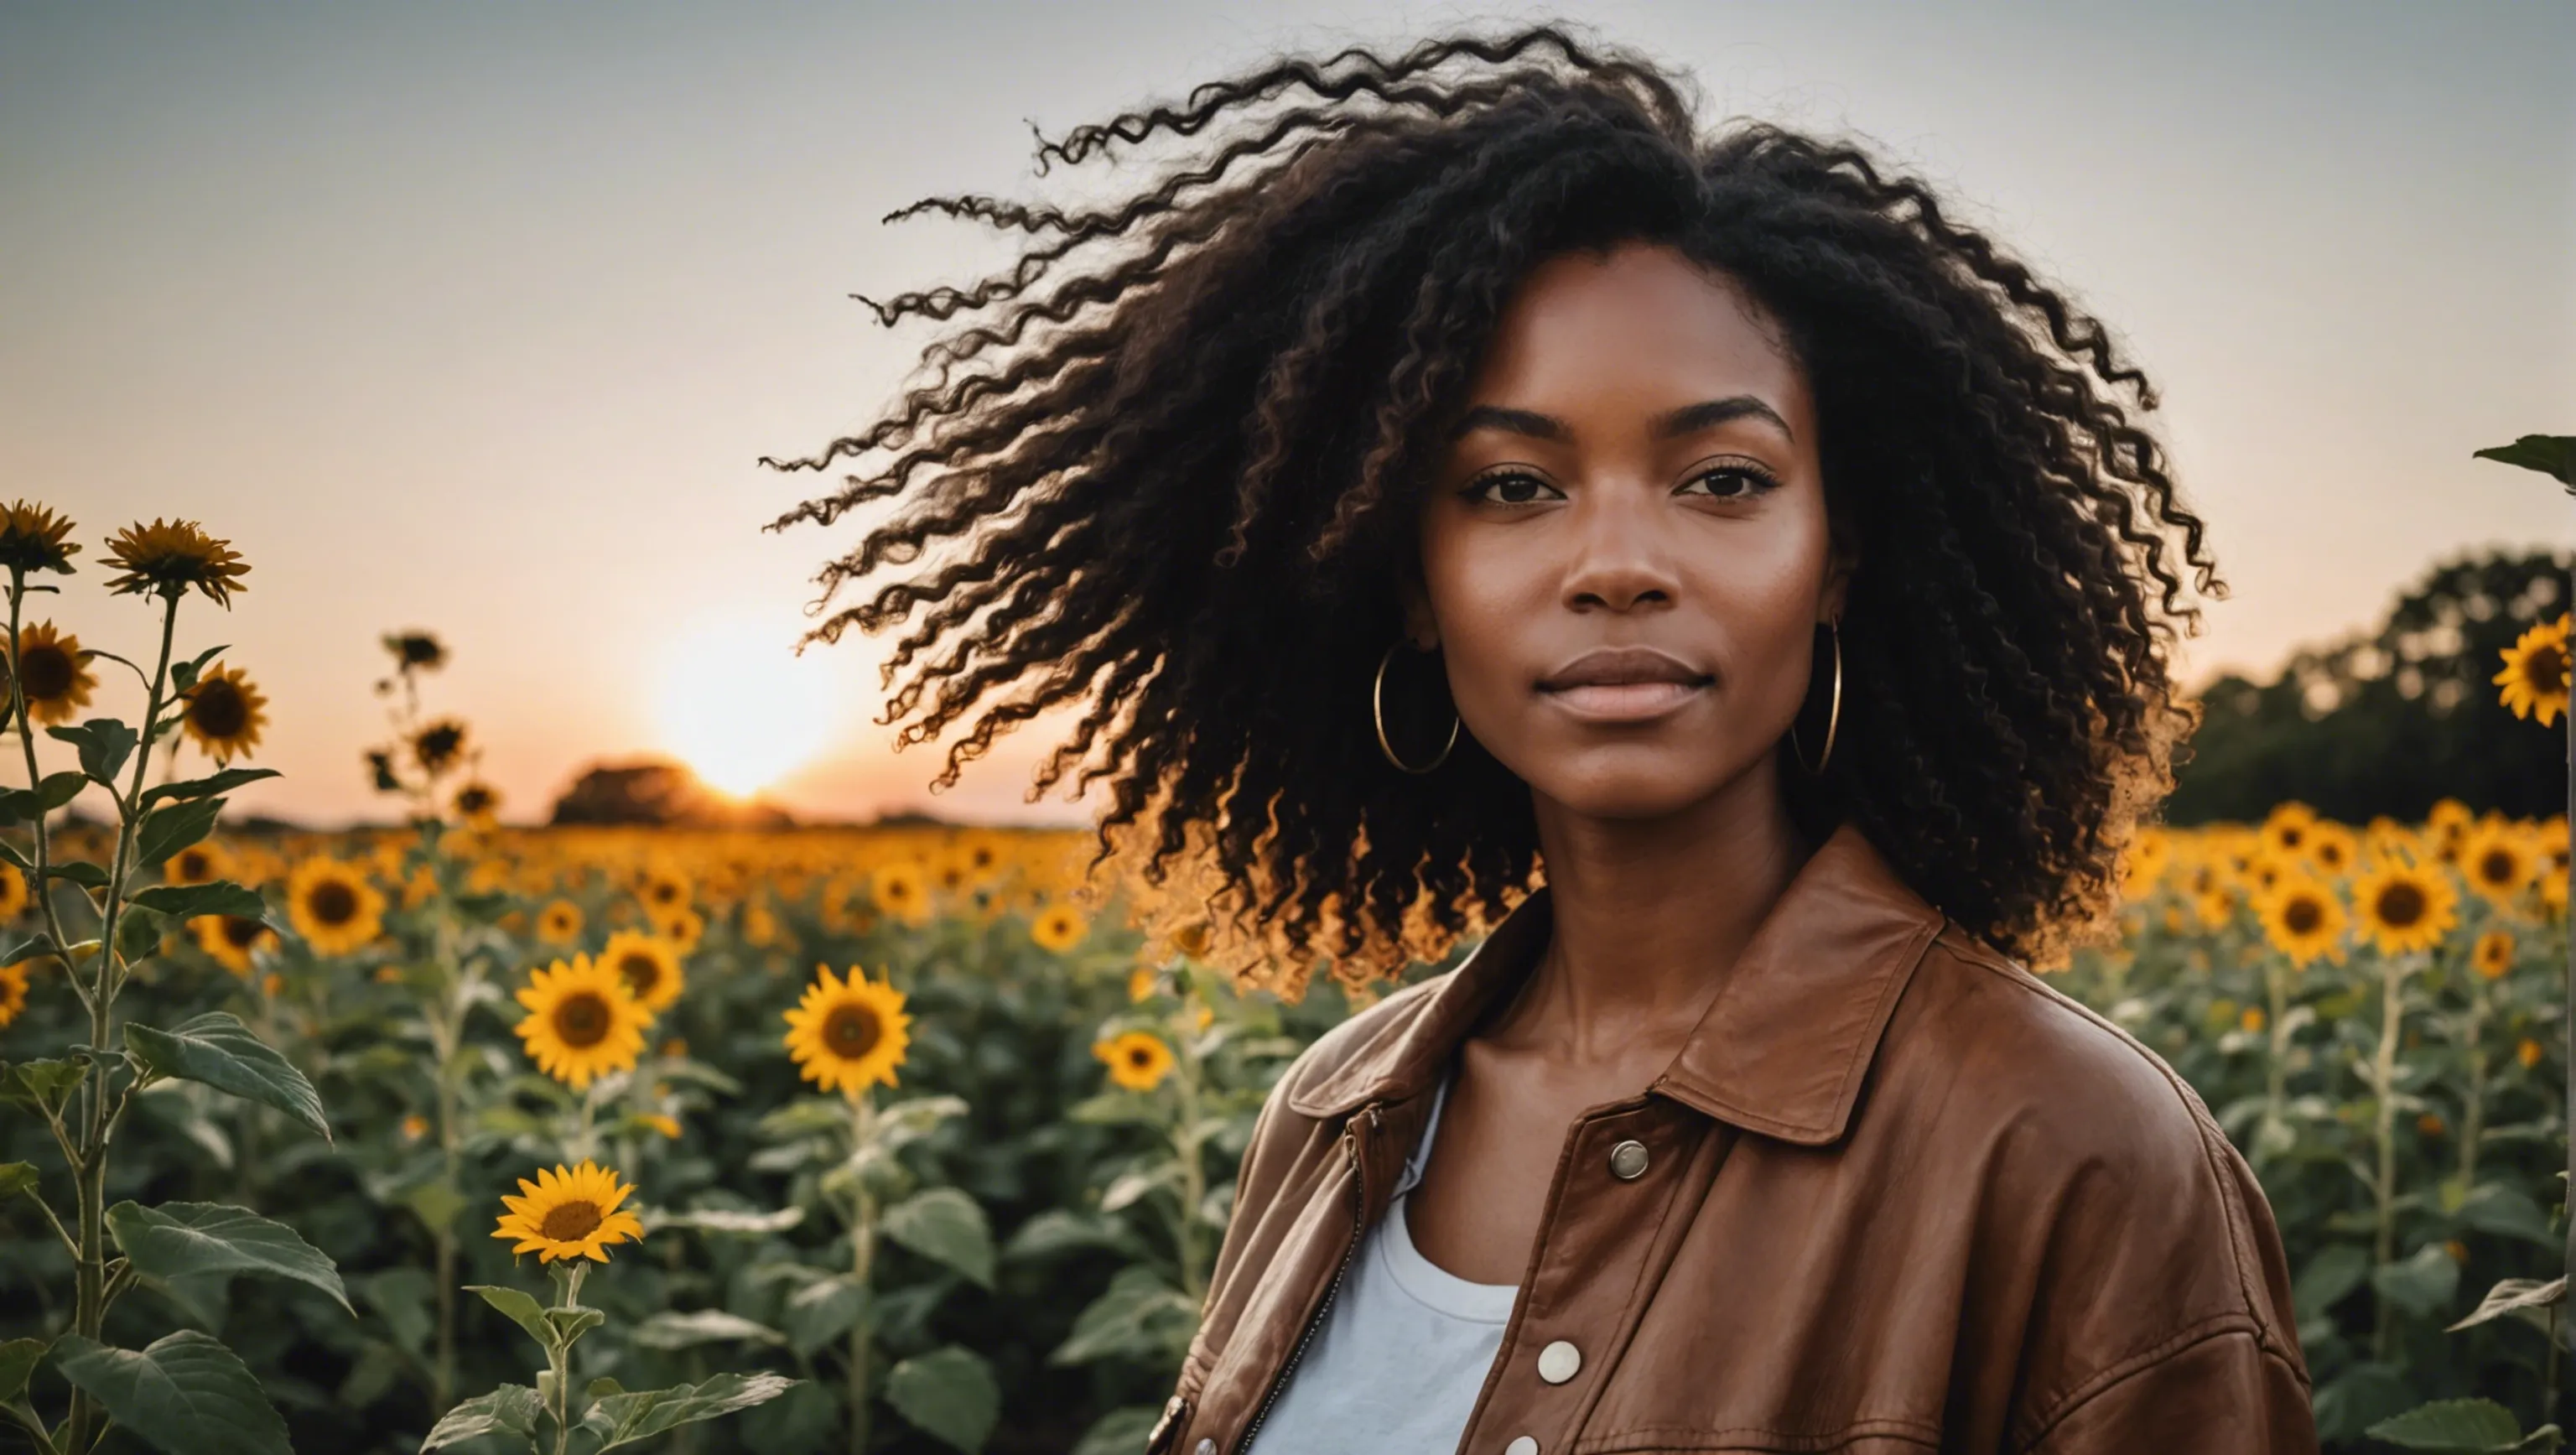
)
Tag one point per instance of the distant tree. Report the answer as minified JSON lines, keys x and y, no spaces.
{"x":658,"y":792}
{"x":2387,"y":721}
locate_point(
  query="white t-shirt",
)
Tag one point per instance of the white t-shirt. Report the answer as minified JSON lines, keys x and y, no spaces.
{"x":1403,"y":1351}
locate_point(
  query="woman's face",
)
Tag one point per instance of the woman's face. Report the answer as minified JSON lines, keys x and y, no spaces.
{"x":1634,"y":470}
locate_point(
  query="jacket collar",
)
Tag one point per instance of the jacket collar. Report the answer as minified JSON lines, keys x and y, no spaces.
{"x":1781,"y":1051}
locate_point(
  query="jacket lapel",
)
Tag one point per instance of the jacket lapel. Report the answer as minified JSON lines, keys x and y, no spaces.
{"x":1783,"y":1049}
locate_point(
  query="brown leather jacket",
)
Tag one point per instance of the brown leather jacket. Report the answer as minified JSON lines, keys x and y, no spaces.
{"x":1897,"y":1194}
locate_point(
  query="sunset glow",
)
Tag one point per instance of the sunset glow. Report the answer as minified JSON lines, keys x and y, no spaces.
{"x":740,"y":707}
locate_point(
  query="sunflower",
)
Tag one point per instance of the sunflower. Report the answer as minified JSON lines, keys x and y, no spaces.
{"x":1140,"y":983}
{"x":436,"y":747}
{"x":56,"y":679}
{"x":2535,"y":671}
{"x":2493,"y":954}
{"x":2285,"y":828}
{"x":2497,"y":863}
{"x":2448,"y":815}
{"x":168,"y":557}
{"x":333,"y":907}
{"x":415,"y":650}
{"x":759,"y":925}
{"x":582,"y":1021}
{"x":650,"y":966}
{"x":476,"y":803}
{"x":2404,"y":906}
{"x":229,"y":939}
{"x":13,"y":891}
{"x":682,"y":927}
{"x":1137,"y":1060}
{"x":2332,"y":847}
{"x":2528,"y":1052}
{"x":32,"y":539}
{"x":2216,"y":906}
{"x":13,"y":991}
{"x":846,"y":1035}
{"x":203,"y":862}
{"x":568,"y":1212}
{"x":2303,"y":919}
{"x":900,"y":890}
{"x":559,"y":923}
{"x":223,"y":714}
{"x":665,"y":891}
{"x":2143,"y":862}
{"x":1058,"y":927}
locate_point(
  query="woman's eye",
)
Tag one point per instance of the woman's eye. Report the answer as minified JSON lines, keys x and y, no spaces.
{"x":1514,"y":488}
{"x":1746,"y":482}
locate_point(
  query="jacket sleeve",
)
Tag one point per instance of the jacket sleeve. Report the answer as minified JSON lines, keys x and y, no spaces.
{"x":2162,"y":1320}
{"x":2220,"y":1393}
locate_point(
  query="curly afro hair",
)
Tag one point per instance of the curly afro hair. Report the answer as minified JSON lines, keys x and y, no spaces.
{"x":1183,"y":482}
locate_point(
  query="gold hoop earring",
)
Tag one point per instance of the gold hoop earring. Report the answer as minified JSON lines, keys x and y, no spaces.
{"x":1377,"y":704}
{"x":1833,"y":719}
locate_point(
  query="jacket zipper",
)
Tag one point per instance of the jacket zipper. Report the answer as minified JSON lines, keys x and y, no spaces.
{"x":1359,"y":1229}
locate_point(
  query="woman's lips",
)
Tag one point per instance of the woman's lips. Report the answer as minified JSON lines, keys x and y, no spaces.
{"x":1624,"y":701}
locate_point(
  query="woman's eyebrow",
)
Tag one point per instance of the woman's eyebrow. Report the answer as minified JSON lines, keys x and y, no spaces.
{"x":1688,"y":419}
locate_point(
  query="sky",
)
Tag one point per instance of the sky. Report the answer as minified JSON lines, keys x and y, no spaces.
{"x":476,"y":317}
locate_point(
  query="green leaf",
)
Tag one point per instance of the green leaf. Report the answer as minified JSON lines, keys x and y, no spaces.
{"x":179,"y":1239}
{"x":86,"y":875}
{"x":42,"y":1085}
{"x":949,"y":1392}
{"x":1138,"y":1314}
{"x":58,"y":789}
{"x":15,"y":1178}
{"x":510,"y":1410}
{"x":436,"y":1204}
{"x":2421,"y":1284}
{"x":138,"y":932}
{"x":18,"y":1359}
{"x":668,"y":1330}
{"x":402,"y":1297}
{"x":2451,"y":1424}
{"x":947,"y":1226}
{"x":2493,"y":1207}
{"x":570,"y":1324}
{"x":168,"y":830}
{"x":1122,"y":1431}
{"x":2337,"y":1271}
{"x":194,"y":788}
{"x":185,"y":1392}
{"x":183,"y":675}
{"x":104,"y":744}
{"x":2553,"y":455}
{"x":822,"y":1311}
{"x":626,"y":1419}
{"x":522,"y":1310}
{"x":217,"y":1049}
{"x":187,"y":901}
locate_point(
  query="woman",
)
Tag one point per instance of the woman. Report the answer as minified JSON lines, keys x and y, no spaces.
{"x":1476,"y":495}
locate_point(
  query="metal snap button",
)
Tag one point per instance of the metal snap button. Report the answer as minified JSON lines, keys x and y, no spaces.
{"x":1206,"y":1447}
{"x":1628,"y":1161}
{"x":1558,"y":1361}
{"x":1522,"y":1446}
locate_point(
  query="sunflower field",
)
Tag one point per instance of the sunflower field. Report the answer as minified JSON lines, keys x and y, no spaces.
{"x":462,"y":1136}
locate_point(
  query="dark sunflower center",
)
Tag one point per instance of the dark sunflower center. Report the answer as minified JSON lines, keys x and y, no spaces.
{"x":2302,"y":916}
{"x":332,"y":902}
{"x":572,"y":1221}
{"x":2401,"y":905}
{"x":216,"y":708}
{"x":642,"y":973}
{"x":2292,"y":836}
{"x":2547,"y":669}
{"x":1138,"y":1058}
{"x":47,"y":671}
{"x":581,"y":1020}
{"x":665,"y":893}
{"x":473,"y":800}
{"x":192,"y":864}
{"x":242,"y":933}
{"x":851,"y":1031}
{"x":2496,"y":866}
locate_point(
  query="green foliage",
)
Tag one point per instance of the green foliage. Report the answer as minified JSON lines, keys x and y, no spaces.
{"x":217,"y":1049}
{"x":185,"y":1392}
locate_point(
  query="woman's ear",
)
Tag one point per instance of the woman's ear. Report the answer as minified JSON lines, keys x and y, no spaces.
{"x":1838,"y":573}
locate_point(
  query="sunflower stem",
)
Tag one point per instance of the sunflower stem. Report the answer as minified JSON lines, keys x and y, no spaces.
{"x":2392,"y":969}
{"x":863,"y":1235}
{"x":89,"y":1316}
{"x":27,"y":738}
{"x":1185,"y":1141}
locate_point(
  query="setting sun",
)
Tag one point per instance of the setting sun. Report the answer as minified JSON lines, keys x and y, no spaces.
{"x":740,"y":707}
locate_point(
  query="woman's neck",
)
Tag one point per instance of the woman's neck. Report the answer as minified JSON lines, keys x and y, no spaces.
{"x":1649,"y":917}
